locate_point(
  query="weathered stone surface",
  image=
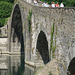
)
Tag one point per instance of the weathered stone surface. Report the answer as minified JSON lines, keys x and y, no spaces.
{"x":3,"y":31}
{"x":52,"y":67}
{"x":3,"y":45}
{"x":42,"y":20}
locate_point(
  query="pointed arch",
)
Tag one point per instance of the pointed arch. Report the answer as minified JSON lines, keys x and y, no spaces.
{"x":17,"y":40}
{"x":71,"y":67}
{"x":42,"y":47}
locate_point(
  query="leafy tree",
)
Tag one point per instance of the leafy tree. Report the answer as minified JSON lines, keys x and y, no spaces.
{"x":12,"y":1}
{"x":2,"y":21}
{"x":5,"y":11}
{"x":69,"y":3}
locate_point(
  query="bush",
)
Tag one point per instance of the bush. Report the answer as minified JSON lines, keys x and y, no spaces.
{"x":5,"y":11}
{"x":69,"y":3}
{"x":11,"y":1}
{"x":2,"y":21}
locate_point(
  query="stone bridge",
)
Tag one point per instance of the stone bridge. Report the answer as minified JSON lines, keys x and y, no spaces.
{"x":43,"y":33}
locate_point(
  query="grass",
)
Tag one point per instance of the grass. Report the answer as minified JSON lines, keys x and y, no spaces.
{"x":50,"y":73}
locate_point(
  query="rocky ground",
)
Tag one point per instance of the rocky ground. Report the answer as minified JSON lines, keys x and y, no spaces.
{"x":50,"y":69}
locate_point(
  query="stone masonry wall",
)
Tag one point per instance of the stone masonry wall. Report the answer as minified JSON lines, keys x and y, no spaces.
{"x":3,"y":39}
{"x":42,"y":20}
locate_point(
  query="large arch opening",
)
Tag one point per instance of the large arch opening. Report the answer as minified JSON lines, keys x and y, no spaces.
{"x":42,"y":47}
{"x":71,"y":67}
{"x":17,"y":41}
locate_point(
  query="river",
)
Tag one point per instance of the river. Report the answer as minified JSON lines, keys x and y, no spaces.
{"x":15,"y":65}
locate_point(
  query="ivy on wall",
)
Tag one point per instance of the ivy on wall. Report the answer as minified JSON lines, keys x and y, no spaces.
{"x":29,"y":19}
{"x":52,"y":42}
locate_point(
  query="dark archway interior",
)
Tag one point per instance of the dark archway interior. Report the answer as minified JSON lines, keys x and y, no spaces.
{"x":71,"y":68}
{"x":42,"y":47}
{"x":16,"y":28}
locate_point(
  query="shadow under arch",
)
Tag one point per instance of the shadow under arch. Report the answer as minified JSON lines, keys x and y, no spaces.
{"x":42,"y":47}
{"x":17,"y":29}
{"x":71,"y":67}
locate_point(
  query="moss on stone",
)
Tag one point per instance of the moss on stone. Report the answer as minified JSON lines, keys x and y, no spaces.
{"x":53,"y":41}
{"x":29,"y":19}
{"x":37,"y":72}
{"x":50,"y":73}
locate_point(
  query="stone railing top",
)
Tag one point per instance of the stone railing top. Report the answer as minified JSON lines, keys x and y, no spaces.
{"x":48,"y":7}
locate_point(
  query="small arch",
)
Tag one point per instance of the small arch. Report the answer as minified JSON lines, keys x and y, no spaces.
{"x":17,"y":30}
{"x":42,"y":47}
{"x":71,"y":67}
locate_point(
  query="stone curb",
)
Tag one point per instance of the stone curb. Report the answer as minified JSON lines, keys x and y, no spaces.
{"x":30,"y":63}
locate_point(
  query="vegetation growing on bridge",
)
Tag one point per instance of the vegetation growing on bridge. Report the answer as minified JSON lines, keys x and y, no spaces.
{"x":52,"y":42}
{"x":50,"y":73}
{"x":5,"y":11}
{"x":29,"y":19}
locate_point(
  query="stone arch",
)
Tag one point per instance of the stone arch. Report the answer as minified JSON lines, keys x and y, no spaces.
{"x":42,"y":48}
{"x":17,"y":40}
{"x":71,"y":67}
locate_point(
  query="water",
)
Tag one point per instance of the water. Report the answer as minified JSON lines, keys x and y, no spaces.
{"x":14,"y":65}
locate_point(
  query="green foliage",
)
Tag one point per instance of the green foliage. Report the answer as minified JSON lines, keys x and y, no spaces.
{"x":2,"y":22}
{"x":11,"y":1}
{"x":52,"y":33}
{"x":52,"y":44}
{"x":5,"y":12}
{"x":67,"y":3}
{"x":50,"y":73}
{"x":5,"y":9}
{"x":29,"y":19}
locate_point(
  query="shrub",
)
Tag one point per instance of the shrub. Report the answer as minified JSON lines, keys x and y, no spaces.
{"x":11,"y":1}
{"x":5,"y":11}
